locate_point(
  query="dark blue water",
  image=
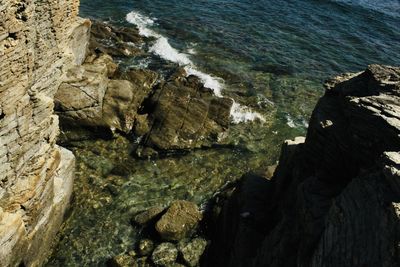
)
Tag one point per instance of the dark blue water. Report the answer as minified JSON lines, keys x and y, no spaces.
{"x":311,"y":38}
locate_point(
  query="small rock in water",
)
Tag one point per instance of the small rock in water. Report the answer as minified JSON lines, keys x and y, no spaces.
{"x":179,"y":220}
{"x":148,"y":215}
{"x":165,"y":254}
{"x":122,"y":260}
{"x":145,"y":247}
{"x":192,"y":251}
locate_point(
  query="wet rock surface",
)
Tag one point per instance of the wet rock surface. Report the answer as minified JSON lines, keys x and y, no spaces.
{"x":330,"y":191}
{"x":123,"y":260}
{"x":164,"y":254}
{"x":146,"y":216}
{"x":183,"y":114}
{"x":192,"y":250}
{"x":179,"y":220}
{"x":114,"y":41}
{"x":145,"y":247}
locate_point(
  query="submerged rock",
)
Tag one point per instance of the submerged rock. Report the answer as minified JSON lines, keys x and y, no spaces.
{"x":165,"y":254}
{"x":145,"y":247}
{"x":122,"y":260}
{"x":115,"y":41}
{"x":192,"y":250}
{"x":148,"y":215}
{"x":179,"y":220}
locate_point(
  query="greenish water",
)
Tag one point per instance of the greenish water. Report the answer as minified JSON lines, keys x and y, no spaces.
{"x":271,"y":56}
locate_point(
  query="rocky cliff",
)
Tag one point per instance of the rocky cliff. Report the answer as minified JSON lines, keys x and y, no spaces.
{"x":334,"y":198}
{"x":38,"y":40}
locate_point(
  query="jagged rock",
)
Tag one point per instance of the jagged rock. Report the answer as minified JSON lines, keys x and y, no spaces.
{"x":333,"y":199}
{"x":148,"y":215}
{"x":183,"y":114}
{"x":145,"y":247}
{"x":192,"y":250}
{"x":179,"y":220}
{"x":164,"y":254}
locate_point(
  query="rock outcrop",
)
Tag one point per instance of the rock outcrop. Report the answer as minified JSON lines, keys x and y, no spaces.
{"x":38,"y":39}
{"x":334,"y":198}
{"x":183,"y":114}
{"x":168,"y":112}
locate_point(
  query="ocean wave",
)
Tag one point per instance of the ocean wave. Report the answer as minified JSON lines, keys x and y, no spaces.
{"x":163,"y":49}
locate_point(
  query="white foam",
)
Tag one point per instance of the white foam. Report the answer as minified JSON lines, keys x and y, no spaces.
{"x":214,"y":83}
{"x":163,"y":49}
{"x":241,"y":113}
{"x":290,"y":122}
{"x":192,"y":51}
{"x":142,"y":22}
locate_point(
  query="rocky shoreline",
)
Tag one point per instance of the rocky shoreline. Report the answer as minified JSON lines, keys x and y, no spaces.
{"x":331,"y":201}
{"x":166,"y":112}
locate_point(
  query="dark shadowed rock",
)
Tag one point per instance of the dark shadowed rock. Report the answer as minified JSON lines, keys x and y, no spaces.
{"x":148,"y":215}
{"x":145,"y":247}
{"x":179,"y":220}
{"x":333,"y":200}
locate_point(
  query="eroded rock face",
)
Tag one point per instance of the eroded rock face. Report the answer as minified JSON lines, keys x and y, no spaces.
{"x":37,"y":40}
{"x":179,"y":220}
{"x":183,"y":114}
{"x":333,"y":200}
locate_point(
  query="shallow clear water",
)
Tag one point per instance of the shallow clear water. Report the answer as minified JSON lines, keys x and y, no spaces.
{"x":269,"y":55}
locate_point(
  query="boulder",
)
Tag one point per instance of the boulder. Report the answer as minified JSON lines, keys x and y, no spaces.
{"x":120,"y":106}
{"x":179,"y":220}
{"x":88,"y":98}
{"x":165,"y":254}
{"x":183,"y":114}
{"x":79,"y":99}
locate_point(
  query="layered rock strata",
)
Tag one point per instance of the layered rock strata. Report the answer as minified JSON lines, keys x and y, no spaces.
{"x":38,"y":39}
{"x":334,"y":198}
